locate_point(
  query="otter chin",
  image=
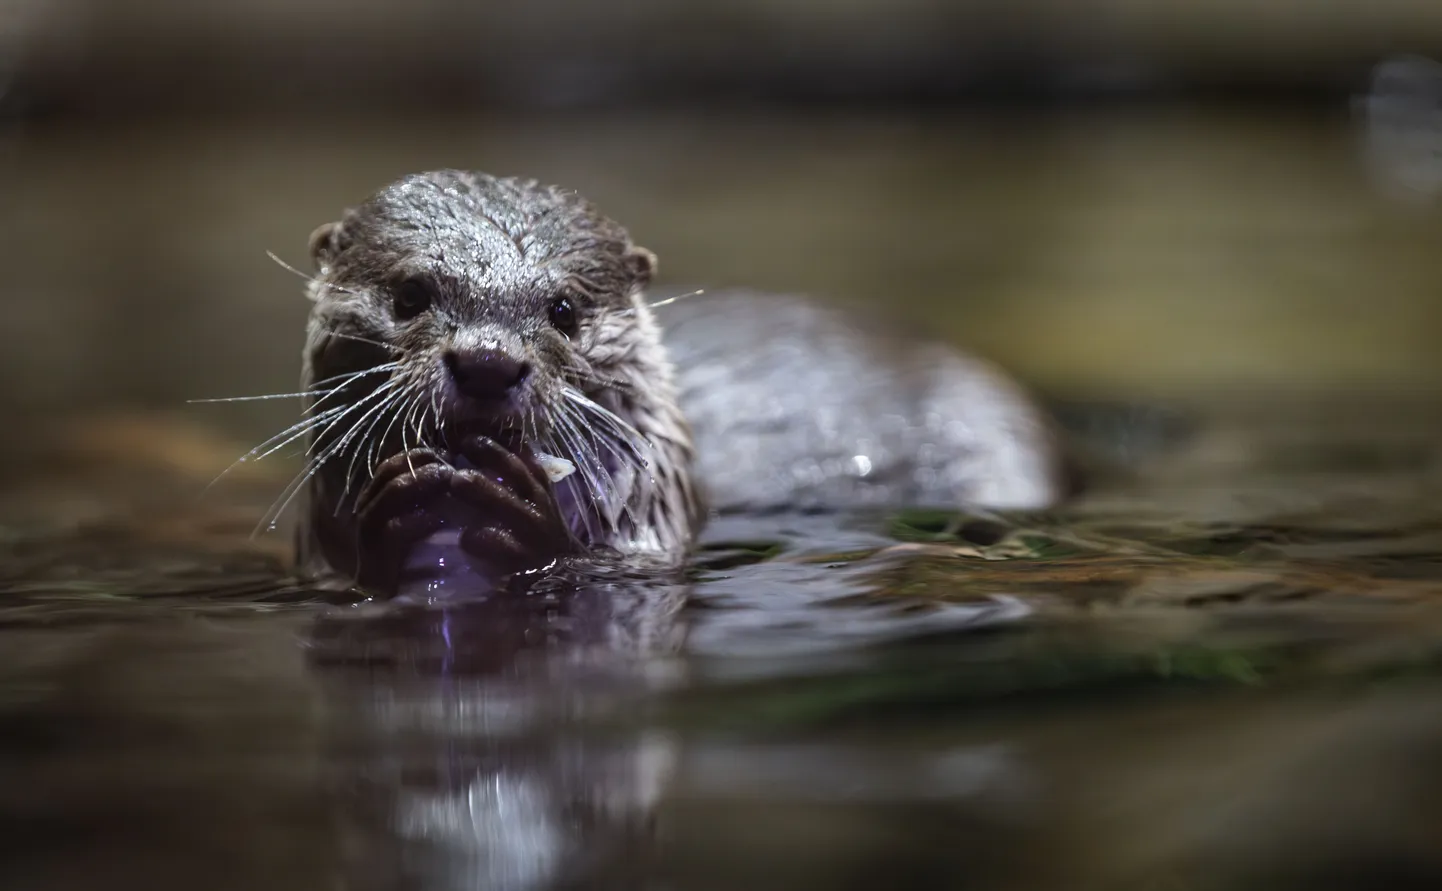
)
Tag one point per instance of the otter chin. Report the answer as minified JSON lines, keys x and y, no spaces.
{"x":469,"y":334}
{"x":489,"y":392}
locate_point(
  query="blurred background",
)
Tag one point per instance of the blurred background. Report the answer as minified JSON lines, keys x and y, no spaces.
{"x":1108,"y":196}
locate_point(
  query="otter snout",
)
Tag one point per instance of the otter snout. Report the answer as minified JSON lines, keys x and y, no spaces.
{"x":486,"y":375}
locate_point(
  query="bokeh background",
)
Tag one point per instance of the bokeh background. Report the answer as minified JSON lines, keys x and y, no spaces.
{"x":1111,"y":197}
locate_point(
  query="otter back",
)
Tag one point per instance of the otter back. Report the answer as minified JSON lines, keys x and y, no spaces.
{"x":794,"y":404}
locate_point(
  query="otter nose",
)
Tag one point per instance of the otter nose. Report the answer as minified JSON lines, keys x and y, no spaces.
{"x":488,"y":375}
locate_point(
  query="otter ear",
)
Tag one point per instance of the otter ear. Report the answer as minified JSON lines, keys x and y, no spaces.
{"x":325,"y":242}
{"x":641,"y":263}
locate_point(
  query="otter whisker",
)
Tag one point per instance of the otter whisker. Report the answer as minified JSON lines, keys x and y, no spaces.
{"x":625,"y":505}
{"x":338,"y":447}
{"x":440,"y":420}
{"x":313,"y":466}
{"x":664,"y":302}
{"x":584,"y":514}
{"x":288,"y":435}
{"x":405,"y":446}
{"x":669,"y":300}
{"x":391,"y":426}
{"x":366,"y":340}
{"x":613,"y":439}
{"x":322,"y":419}
{"x":418,"y":426}
{"x":386,"y":435}
{"x":588,"y":489}
{"x":532,"y":429}
{"x":289,"y":268}
{"x":260,"y":398}
{"x":373,"y":455}
{"x":373,"y":415}
{"x":585,"y":455}
{"x":294,"y":431}
{"x":589,"y":458}
{"x":589,"y":404}
{"x":609,"y":431}
{"x":345,"y":384}
{"x":583,"y":484}
{"x":584,"y":377}
{"x":315,"y":280}
{"x":342,"y":381}
{"x":421,"y":438}
{"x":432,"y":415}
{"x":622,"y":431}
{"x":410,"y":414}
{"x":313,"y":391}
{"x":611,"y":435}
{"x":378,"y":416}
{"x":320,"y":439}
{"x":352,"y":375}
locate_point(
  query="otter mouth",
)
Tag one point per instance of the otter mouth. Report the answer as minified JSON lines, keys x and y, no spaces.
{"x":508,"y":430}
{"x":506,"y":425}
{"x":509,"y":435}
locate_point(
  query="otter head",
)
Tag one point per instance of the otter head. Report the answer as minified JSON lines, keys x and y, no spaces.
{"x":477,"y":301}
{"x":453,"y":307}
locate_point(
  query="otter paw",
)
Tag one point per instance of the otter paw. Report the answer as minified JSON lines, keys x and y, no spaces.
{"x":395,"y":512}
{"x":513,"y":523}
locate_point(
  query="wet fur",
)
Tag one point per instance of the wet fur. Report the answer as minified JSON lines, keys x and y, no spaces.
{"x":496,"y":252}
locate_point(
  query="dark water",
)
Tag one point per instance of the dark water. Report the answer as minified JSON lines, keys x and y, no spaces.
{"x":1218,"y":670}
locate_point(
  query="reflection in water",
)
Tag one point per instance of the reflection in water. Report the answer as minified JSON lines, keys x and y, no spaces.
{"x":494,"y":744}
{"x":1224,"y":678}
{"x":503,"y":743}
{"x":791,"y":590}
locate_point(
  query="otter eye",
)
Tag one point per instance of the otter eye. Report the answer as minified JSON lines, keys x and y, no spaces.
{"x":563,"y":316}
{"x":411,"y":298}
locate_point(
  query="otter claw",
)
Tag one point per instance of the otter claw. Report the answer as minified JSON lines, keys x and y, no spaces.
{"x":501,"y":500}
{"x":384,"y":549}
{"x":392,"y":469}
{"x":523,"y":473}
{"x":503,"y":550}
{"x":521,"y":526}
{"x":395,"y":513}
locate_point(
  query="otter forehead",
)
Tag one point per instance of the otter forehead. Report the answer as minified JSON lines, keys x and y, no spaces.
{"x":494,"y":236}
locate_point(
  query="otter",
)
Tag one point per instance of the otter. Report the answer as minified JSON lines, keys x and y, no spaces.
{"x":464,"y":326}
{"x":490,"y":391}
